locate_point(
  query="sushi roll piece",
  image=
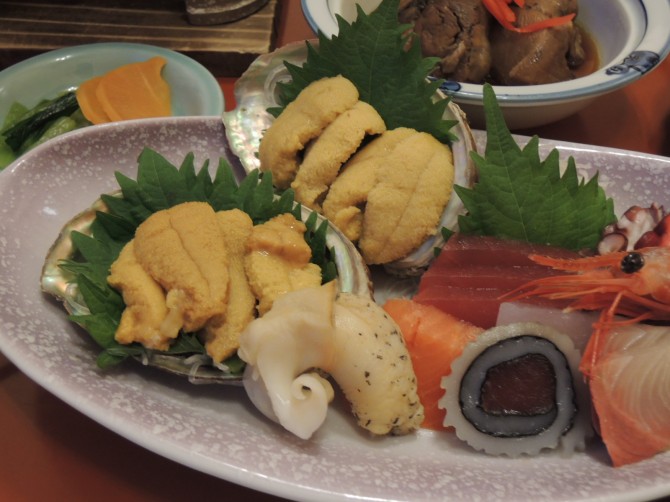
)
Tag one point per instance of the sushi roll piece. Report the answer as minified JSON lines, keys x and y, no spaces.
{"x":517,"y":390}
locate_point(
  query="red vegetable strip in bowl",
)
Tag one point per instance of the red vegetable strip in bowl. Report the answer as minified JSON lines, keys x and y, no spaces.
{"x":501,"y":10}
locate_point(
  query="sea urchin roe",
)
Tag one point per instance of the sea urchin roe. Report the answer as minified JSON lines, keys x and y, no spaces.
{"x":325,"y":155}
{"x":173,"y":274}
{"x":391,"y":194}
{"x":523,"y":386}
{"x":301,"y":121}
{"x":345,"y":202}
{"x":182,"y":249}
{"x":222,"y":332}
{"x":278,"y":260}
{"x":404,"y":207}
{"x":144,"y":318}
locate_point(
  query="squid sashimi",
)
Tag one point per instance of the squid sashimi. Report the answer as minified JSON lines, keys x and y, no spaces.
{"x":472,"y":273}
{"x":630,"y":388}
{"x":433,"y":339}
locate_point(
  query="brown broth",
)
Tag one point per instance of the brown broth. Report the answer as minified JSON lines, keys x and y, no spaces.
{"x":591,"y":56}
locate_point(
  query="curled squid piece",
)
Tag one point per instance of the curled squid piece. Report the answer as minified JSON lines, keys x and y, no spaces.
{"x":281,"y":348}
{"x":315,"y":331}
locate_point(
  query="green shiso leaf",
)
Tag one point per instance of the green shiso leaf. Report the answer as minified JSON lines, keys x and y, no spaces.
{"x":187,"y":343}
{"x":519,"y":196}
{"x":372,"y":53}
{"x":161,"y":185}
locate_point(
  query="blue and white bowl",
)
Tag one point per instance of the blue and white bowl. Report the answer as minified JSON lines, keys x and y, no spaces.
{"x":632,"y":38}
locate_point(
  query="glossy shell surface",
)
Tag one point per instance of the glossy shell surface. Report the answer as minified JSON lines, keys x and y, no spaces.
{"x":256,"y":91}
{"x":353,"y":277}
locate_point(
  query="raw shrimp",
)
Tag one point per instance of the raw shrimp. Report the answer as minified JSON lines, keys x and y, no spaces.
{"x":633,"y":284}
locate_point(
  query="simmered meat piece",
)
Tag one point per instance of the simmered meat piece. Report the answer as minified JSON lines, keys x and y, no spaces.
{"x":455,"y":31}
{"x":541,"y":57}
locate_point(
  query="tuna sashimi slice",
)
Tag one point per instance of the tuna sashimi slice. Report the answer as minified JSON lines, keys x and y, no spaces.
{"x":483,"y":250}
{"x":473,"y":273}
{"x":478,"y":306}
{"x":485,"y":276}
{"x":434,"y":339}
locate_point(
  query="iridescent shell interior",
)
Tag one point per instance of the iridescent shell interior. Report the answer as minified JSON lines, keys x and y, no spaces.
{"x":256,"y":91}
{"x":353,"y":277}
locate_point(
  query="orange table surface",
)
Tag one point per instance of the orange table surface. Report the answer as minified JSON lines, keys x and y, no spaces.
{"x":49,"y":451}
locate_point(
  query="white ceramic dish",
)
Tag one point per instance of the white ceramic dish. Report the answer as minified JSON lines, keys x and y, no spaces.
{"x":213,"y":428}
{"x":194,"y":90}
{"x":632,"y":37}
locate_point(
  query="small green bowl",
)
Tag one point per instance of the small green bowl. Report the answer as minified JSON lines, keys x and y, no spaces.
{"x":194,"y":89}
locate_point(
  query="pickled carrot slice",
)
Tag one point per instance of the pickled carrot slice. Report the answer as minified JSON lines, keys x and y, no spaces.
{"x":89,"y":103}
{"x":132,"y":91}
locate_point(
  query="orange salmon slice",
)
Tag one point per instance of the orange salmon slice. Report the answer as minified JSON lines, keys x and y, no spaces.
{"x":434,"y":339}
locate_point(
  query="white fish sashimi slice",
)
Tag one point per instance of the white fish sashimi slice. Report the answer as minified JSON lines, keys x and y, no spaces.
{"x":577,"y":325}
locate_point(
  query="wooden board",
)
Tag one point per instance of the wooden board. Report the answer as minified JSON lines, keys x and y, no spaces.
{"x":28,"y":28}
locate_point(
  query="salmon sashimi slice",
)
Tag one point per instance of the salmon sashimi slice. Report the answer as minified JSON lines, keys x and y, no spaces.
{"x":630,"y":389}
{"x":434,"y":339}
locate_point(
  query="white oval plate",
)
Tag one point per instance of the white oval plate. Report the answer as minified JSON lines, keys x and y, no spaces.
{"x":214,"y":429}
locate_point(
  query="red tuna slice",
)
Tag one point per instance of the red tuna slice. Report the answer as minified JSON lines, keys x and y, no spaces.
{"x":505,"y":278}
{"x":470,"y":250}
{"x":478,"y":306}
{"x":472,"y":273}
